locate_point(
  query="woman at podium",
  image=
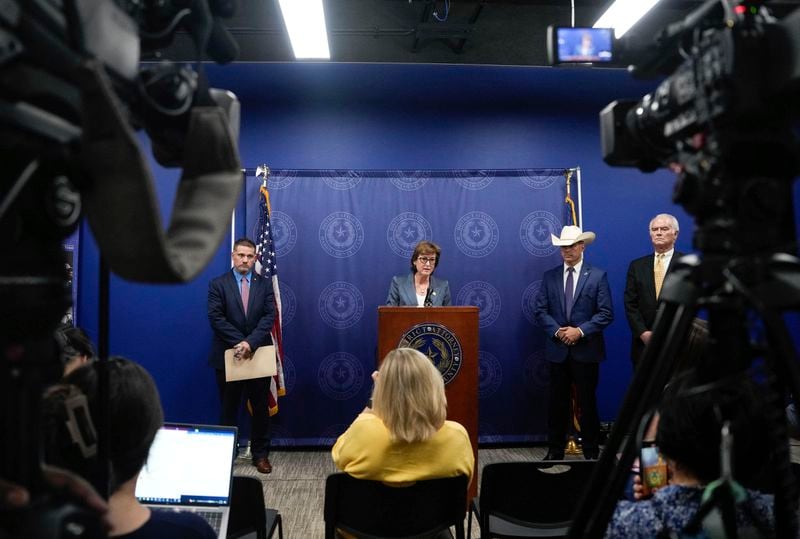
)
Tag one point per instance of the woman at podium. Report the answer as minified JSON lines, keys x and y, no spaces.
{"x":420,"y":288}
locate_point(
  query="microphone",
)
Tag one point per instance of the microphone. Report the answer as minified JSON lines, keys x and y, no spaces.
{"x":428,"y":302}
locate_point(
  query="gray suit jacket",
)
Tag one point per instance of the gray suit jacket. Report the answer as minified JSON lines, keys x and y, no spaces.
{"x":402,"y":292}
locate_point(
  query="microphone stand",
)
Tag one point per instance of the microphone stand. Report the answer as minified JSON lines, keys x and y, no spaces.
{"x":428,"y":302}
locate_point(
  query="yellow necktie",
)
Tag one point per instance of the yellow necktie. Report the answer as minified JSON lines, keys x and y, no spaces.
{"x":658,"y":273}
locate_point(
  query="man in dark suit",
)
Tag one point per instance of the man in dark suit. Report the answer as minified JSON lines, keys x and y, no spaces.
{"x":641,"y":286}
{"x":573,"y":308}
{"x":241,"y":310}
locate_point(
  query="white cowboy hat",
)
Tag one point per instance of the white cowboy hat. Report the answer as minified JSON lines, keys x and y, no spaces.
{"x":570,"y":235}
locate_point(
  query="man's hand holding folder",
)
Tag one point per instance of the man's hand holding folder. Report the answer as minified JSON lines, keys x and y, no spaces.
{"x":242,"y":364}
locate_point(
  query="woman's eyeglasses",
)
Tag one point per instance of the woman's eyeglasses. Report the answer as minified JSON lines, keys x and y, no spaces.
{"x":426,"y":260}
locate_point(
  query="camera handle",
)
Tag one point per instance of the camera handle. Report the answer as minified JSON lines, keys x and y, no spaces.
{"x":778,"y":287}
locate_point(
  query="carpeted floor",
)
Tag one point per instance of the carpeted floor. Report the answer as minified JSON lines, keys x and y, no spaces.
{"x":296,"y":486}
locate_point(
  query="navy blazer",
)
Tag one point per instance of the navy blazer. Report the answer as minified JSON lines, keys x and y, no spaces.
{"x":592,"y":312}
{"x":227,"y":318}
{"x":403,"y":292}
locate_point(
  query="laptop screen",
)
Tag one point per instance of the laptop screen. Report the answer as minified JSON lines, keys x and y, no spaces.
{"x":188,"y":465}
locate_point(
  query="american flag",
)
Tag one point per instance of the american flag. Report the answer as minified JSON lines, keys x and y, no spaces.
{"x":267,"y":267}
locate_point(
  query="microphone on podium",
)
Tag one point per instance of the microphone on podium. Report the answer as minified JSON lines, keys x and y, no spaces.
{"x":428,"y":301}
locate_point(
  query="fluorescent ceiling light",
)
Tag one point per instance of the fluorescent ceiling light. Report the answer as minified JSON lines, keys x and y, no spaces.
{"x":623,"y":14}
{"x":305,"y":24}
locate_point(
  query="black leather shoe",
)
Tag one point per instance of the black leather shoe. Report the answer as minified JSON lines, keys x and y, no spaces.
{"x":554,"y":455}
{"x":591,"y":454}
{"x":263,"y":465}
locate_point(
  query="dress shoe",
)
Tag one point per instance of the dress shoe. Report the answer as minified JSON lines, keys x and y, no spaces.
{"x":591,"y":454}
{"x":262,"y":465}
{"x":554,"y":455}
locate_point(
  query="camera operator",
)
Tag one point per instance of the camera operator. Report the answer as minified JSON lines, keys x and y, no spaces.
{"x":72,"y":94}
{"x":135,"y":416}
{"x":722,"y":119}
{"x":13,"y":496}
{"x":689,"y":423}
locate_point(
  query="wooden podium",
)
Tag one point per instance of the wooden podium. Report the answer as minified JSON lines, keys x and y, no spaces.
{"x":462,"y":390}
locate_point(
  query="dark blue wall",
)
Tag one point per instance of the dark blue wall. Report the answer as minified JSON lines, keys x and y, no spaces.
{"x":322,"y":116}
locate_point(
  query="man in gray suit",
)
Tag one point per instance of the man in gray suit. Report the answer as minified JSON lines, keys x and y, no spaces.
{"x":645,"y":277}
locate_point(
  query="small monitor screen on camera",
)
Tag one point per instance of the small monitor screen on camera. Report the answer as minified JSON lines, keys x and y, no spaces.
{"x":584,"y":45}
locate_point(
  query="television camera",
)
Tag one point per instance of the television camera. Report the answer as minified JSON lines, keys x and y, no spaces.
{"x":73,"y":92}
{"x":723,"y":118}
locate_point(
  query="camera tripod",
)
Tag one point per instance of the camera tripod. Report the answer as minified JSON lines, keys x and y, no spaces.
{"x":727,"y":288}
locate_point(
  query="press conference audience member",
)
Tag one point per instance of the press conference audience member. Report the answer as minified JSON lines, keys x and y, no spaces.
{"x":77,"y":348}
{"x":134,"y":417}
{"x":420,"y":288}
{"x":688,"y":435}
{"x":645,"y":278}
{"x":14,"y":496}
{"x":404,"y":437}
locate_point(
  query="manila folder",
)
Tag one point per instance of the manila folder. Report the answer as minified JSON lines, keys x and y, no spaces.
{"x":260,"y":365}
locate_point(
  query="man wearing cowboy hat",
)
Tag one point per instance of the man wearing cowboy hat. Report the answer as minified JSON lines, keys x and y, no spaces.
{"x":573,"y":308}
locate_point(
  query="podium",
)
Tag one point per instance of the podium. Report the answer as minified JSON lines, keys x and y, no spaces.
{"x":451,"y":334}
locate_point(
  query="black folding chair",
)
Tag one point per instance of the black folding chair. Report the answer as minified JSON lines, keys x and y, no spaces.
{"x":529,"y":499}
{"x":248,"y":511}
{"x":373,"y":510}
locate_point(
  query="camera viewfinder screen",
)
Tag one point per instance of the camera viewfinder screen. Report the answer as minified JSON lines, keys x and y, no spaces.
{"x":584,"y":44}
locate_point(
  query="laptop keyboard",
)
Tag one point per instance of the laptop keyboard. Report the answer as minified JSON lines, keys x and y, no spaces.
{"x":214,"y":518}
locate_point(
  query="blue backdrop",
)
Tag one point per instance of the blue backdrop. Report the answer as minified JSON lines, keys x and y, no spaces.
{"x":411,"y":117}
{"x":340,"y":235}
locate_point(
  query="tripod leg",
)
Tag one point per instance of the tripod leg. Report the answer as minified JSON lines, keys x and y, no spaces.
{"x":782,"y":359}
{"x":669,"y":333}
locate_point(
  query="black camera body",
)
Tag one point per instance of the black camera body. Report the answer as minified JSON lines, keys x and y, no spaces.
{"x":73,"y":91}
{"x":722,"y":119}
{"x":733,"y":76}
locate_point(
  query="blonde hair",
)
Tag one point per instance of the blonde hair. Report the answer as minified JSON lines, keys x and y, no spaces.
{"x":409,"y":396}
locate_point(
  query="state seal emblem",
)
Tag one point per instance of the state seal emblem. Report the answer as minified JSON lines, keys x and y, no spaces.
{"x":439,"y":344}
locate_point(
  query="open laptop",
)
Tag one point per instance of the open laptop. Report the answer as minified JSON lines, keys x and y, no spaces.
{"x":189,"y":468}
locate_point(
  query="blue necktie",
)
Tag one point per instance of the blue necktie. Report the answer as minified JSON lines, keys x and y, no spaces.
{"x":569,"y":291}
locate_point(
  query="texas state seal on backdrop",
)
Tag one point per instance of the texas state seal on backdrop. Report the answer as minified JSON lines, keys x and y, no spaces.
{"x":439,"y":344}
{"x":409,"y":180}
{"x":341,"y":305}
{"x":535,"y":230}
{"x":284,"y":232}
{"x":405,"y":231}
{"x":485,"y":297}
{"x":529,"y":300}
{"x":474,"y":180}
{"x":476,"y":234}
{"x":340,"y":376}
{"x":341,"y":234}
